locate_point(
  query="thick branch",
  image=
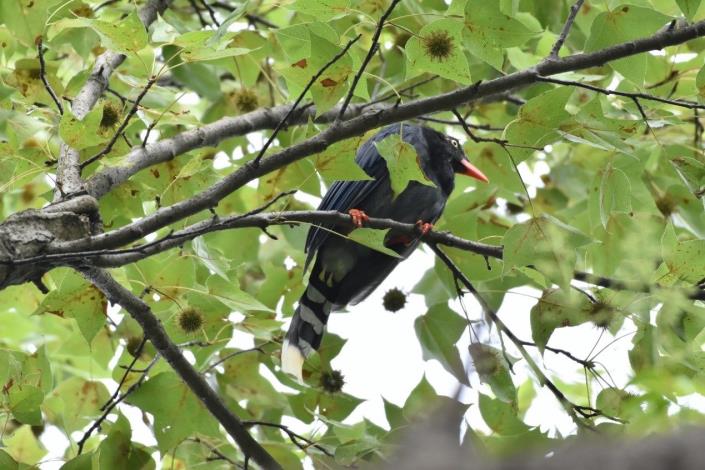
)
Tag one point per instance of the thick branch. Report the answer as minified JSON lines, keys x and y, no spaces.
{"x":56,"y":254}
{"x":68,"y":171}
{"x":357,"y":126}
{"x":154,"y":331}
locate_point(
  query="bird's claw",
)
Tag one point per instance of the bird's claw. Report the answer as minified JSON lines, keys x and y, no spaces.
{"x":358,"y":217}
{"x":424,"y":227}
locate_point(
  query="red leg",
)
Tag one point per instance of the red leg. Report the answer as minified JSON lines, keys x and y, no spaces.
{"x":424,"y":227}
{"x":358,"y":217}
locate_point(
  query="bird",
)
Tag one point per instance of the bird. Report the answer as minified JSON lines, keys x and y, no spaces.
{"x":345,"y":272}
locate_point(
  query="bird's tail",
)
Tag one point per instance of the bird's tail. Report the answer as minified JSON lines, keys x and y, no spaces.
{"x":307,"y":326}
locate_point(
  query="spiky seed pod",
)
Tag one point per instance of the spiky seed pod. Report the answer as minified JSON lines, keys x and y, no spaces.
{"x":484,"y":359}
{"x":111,"y":116}
{"x":190,"y":320}
{"x":438,"y":45}
{"x":245,"y":100}
{"x":394,"y":300}
{"x":133,"y":343}
{"x":333,"y":381}
{"x":601,"y":314}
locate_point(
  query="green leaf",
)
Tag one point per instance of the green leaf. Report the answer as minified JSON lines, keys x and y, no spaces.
{"x":323,"y":10}
{"x":686,"y":263}
{"x":491,"y":365}
{"x":337,"y":162}
{"x":372,"y":238}
{"x":177,"y":412}
{"x":75,"y":402}
{"x":689,"y":7}
{"x":557,"y":309}
{"x":419,"y":400}
{"x":7,"y":462}
{"x":623,"y":24}
{"x":439,"y":49}
{"x":24,"y":404}
{"x":232,"y":17}
{"x":232,"y":296}
{"x":692,"y":172}
{"x":547,"y":245}
{"x":81,"y":134}
{"x":615,"y":193}
{"x":125,"y":36}
{"x":200,"y":78}
{"x":24,"y":447}
{"x":538,"y":122}
{"x":501,"y":417}
{"x":77,"y":299}
{"x":26,"y":20}
{"x":489,"y":32}
{"x":439,"y":330}
{"x":331,"y":85}
{"x":402,"y":162}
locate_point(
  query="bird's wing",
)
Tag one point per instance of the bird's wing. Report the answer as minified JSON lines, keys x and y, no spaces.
{"x":345,"y":195}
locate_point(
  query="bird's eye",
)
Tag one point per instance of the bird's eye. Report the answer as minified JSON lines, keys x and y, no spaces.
{"x":454,"y":143}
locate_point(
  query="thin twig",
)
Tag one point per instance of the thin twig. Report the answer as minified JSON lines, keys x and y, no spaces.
{"x":566,"y":29}
{"x":105,"y":4}
{"x":282,"y":123}
{"x":298,"y":440}
{"x":587,"y":363}
{"x":43,"y":74}
{"x":572,"y":409}
{"x":626,"y":94}
{"x":201,"y":19}
{"x":476,"y":139}
{"x":113,"y":403}
{"x":211,"y":12}
{"x":370,"y":53}
{"x":230,"y":356}
{"x":125,"y":122}
{"x":214,"y":450}
{"x":128,"y":370}
{"x":448,"y":122}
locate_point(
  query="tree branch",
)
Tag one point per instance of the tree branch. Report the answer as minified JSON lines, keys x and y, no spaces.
{"x":156,"y":334}
{"x":566,"y":29}
{"x":633,"y":96}
{"x":133,"y":110}
{"x":293,"y":107}
{"x":578,"y":413}
{"x":68,"y":171}
{"x":43,"y":75}
{"x":353,"y":127}
{"x":370,"y":53}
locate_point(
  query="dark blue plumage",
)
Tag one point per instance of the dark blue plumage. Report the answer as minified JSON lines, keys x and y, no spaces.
{"x":346,"y":272}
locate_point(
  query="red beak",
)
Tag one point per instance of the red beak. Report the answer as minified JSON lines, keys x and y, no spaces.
{"x":472,"y":171}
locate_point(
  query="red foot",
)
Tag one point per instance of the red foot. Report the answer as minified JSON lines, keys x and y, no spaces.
{"x":358,"y":217}
{"x":424,"y":227}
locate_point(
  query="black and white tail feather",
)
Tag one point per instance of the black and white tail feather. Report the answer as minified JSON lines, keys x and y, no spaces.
{"x":307,"y":326}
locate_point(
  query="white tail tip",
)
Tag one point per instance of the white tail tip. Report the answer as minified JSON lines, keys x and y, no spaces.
{"x":292,"y":360}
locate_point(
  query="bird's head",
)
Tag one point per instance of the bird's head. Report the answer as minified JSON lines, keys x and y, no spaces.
{"x":460,"y":162}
